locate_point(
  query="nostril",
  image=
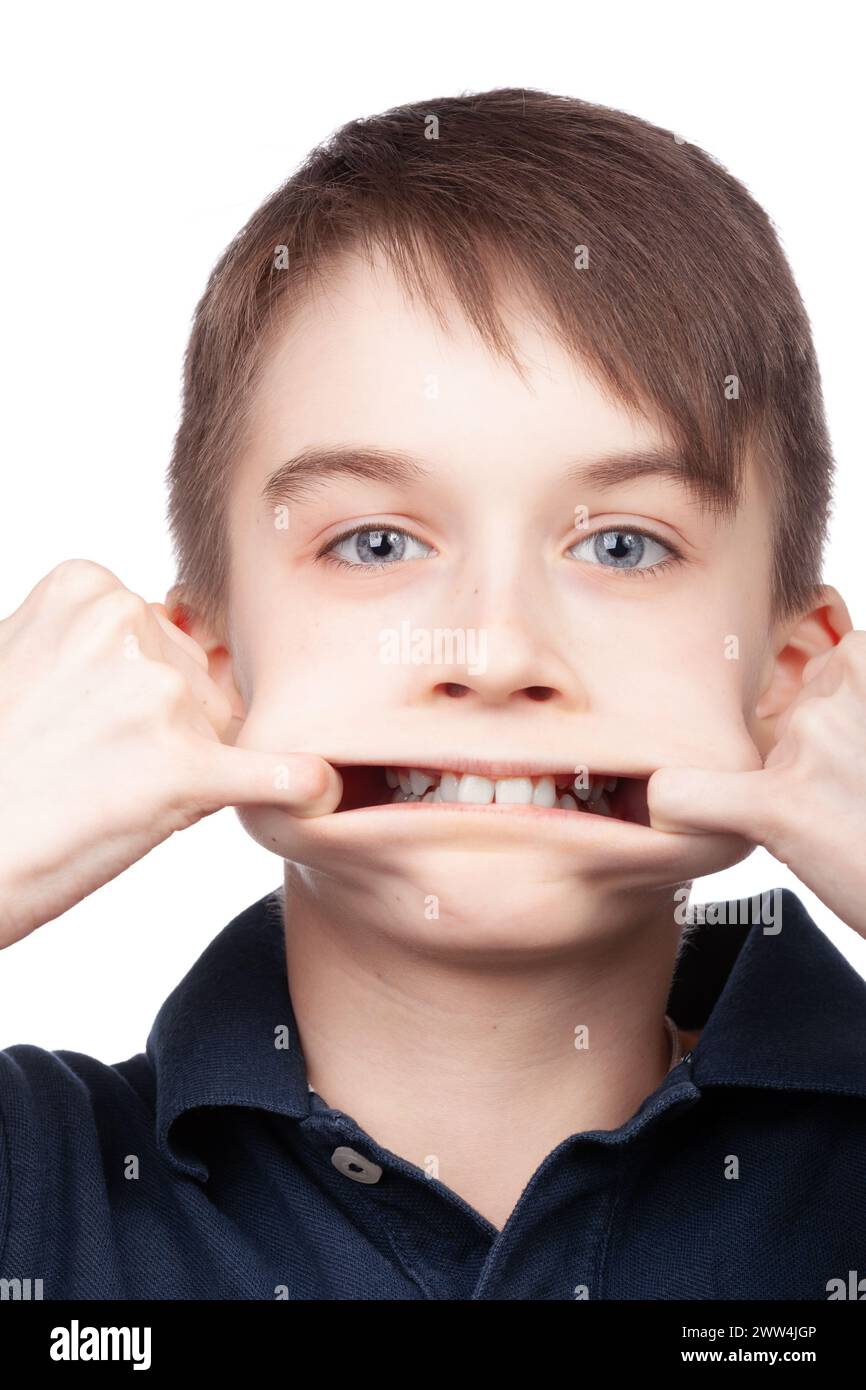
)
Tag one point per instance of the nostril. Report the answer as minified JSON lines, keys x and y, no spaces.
{"x":539,"y":692}
{"x":455,"y":691}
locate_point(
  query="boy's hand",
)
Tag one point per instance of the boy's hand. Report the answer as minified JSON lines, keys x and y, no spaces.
{"x":112,"y":736}
{"x":807,"y":806}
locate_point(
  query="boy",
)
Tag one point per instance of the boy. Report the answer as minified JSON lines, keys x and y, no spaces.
{"x":499,"y":499}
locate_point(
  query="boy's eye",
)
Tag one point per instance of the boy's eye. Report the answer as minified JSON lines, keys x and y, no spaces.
{"x":630,"y":552}
{"x":375,"y":545}
{"x":625,"y":550}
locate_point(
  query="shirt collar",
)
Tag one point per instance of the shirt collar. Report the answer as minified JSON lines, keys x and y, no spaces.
{"x":226,"y":1035}
{"x":781,"y":1009}
{"x":778,"y":1004}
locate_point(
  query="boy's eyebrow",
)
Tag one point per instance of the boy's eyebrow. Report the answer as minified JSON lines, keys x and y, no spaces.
{"x":316,"y":465}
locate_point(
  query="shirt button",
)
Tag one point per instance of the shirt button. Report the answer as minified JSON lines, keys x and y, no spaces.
{"x":353,"y":1165}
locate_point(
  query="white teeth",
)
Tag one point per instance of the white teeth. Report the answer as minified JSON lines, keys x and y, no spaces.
{"x":560,"y":790}
{"x":475,"y":791}
{"x":545,"y":792}
{"x":449,"y":785}
{"x":514,"y":791}
{"x":419,"y":782}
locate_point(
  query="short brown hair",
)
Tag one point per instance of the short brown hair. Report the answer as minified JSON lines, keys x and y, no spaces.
{"x":686,"y":287}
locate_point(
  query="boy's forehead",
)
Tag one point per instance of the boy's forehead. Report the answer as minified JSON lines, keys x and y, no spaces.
{"x":360,"y":362}
{"x":358,"y":352}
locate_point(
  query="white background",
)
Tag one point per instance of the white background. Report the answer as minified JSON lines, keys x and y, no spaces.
{"x":137,"y":140}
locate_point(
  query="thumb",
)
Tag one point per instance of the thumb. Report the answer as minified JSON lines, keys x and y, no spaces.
{"x":699,"y":799}
{"x":302,"y":783}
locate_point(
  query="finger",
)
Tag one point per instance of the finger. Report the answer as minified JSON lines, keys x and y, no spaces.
{"x":182,"y":639}
{"x":821,"y":676}
{"x":193,"y":664}
{"x":697,"y":799}
{"x":816,"y":664}
{"x":302,"y":783}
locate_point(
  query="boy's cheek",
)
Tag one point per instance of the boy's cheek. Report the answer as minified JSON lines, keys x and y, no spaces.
{"x":325,"y":720}
{"x":690,"y":717}
{"x":762,"y":733}
{"x":725,"y":744}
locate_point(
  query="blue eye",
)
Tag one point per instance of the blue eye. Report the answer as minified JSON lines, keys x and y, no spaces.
{"x":625,"y":550}
{"x":380,"y":545}
{"x":369,"y":547}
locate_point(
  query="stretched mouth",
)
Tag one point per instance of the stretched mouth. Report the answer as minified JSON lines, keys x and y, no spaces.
{"x":599,"y":794}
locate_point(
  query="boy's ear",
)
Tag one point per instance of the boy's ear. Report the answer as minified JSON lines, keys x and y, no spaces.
{"x":814,"y":632}
{"x":184,"y":616}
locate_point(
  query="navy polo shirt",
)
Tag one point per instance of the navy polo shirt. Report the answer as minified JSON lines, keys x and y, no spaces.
{"x":205,"y":1168}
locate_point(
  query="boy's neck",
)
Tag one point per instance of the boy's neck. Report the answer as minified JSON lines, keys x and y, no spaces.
{"x":485,"y":1066}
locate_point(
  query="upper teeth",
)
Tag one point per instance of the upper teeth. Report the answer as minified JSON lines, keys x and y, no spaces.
{"x":425,"y":784}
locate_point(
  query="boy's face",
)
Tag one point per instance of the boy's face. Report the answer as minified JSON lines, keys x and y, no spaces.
{"x":579,"y":661}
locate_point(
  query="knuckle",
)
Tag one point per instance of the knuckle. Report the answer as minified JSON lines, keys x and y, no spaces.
{"x":79,"y":579}
{"x":778,"y":837}
{"x":120,"y":607}
{"x":808,"y":718}
{"x":153,"y":695}
{"x":169,"y":683}
{"x":190,"y":796}
{"x":852,"y":651}
{"x":785,"y":792}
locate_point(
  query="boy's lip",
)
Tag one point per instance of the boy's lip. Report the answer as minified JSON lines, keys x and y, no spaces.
{"x":605,"y":842}
{"x":493,"y":767}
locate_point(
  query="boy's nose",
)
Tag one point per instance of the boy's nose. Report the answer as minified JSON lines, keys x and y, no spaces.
{"x":503,"y":666}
